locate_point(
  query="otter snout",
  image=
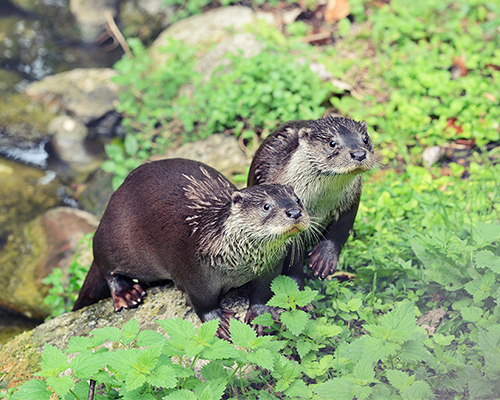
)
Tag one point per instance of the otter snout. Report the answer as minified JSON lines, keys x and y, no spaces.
{"x":294,"y":213}
{"x":358,"y":155}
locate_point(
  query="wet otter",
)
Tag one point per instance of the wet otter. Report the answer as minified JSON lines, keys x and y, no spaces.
{"x":322,"y":160}
{"x":182,"y":220}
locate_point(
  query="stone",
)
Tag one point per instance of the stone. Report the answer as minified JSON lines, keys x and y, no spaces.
{"x":68,"y":140}
{"x":90,"y":16}
{"x":86,"y":93}
{"x":219,"y":151}
{"x":242,"y":43}
{"x":210,"y":27}
{"x":20,"y":358}
{"x":432,"y":155}
{"x":46,"y":243}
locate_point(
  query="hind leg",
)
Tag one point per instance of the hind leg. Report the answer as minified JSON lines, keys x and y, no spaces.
{"x":125,"y":292}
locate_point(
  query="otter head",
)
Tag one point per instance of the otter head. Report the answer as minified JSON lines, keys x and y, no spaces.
{"x":269,"y":212}
{"x":337,"y":145}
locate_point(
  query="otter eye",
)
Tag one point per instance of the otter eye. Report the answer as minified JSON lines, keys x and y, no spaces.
{"x":365,"y":139}
{"x":332,"y":144}
{"x":297,"y":200}
{"x":266,"y":207}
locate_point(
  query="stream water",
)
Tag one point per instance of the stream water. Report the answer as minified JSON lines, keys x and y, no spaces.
{"x":36,"y":40}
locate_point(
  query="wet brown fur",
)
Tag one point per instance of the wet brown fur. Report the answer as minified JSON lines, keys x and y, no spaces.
{"x":182,"y":220}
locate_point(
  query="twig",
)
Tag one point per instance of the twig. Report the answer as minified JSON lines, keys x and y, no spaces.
{"x":118,"y":34}
{"x":91,"y":390}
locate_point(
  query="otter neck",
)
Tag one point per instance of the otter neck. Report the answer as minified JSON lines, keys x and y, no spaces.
{"x":235,"y":250}
{"x":320,"y":193}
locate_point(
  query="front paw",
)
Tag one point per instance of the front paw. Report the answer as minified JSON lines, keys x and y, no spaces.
{"x":323,"y":259}
{"x":258,"y":309}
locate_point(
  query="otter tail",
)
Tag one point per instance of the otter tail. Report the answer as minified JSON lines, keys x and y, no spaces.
{"x":94,"y":288}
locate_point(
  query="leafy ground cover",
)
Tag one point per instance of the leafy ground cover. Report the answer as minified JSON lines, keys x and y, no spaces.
{"x":421,"y":319}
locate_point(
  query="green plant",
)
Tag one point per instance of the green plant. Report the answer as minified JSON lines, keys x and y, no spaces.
{"x":253,"y":96}
{"x":146,"y":364}
{"x":146,"y":104}
{"x":65,"y":286}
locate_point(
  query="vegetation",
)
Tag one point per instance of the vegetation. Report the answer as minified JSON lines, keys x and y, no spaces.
{"x":426,"y":243}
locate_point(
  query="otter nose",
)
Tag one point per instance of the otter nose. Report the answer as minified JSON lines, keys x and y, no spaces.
{"x":359,"y":155}
{"x":293,"y":213}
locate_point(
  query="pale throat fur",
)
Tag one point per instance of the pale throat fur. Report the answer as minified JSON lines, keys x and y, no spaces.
{"x":228,"y":244}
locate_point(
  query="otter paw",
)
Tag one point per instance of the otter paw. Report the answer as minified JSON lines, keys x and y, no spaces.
{"x":224,"y":316}
{"x":323,"y":259}
{"x":125,"y":292}
{"x":258,"y":309}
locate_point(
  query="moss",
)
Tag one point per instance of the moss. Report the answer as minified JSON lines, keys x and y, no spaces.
{"x":20,"y":359}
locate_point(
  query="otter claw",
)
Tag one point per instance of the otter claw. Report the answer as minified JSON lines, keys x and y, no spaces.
{"x":322,"y":260}
{"x":224,"y":316}
{"x":125,"y":292}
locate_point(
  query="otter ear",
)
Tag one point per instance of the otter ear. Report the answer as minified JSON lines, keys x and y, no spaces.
{"x":304,"y":132}
{"x":237,"y":197}
{"x":363,"y":124}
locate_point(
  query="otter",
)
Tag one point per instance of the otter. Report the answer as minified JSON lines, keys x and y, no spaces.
{"x":322,"y":160}
{"x":182,"y":220}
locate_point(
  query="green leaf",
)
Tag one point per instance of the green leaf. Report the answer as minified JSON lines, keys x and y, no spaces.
{"x":149,"y":357}
{"x":242,"y":334}
{"x":131,"y":145}
{"x":34,"y":389}
{"x":162,"y":376}
{"x":130,"y":331}
{"x":471,"y":314}
{"x":261,"y":357}
{"x":335,"y":389}
{"x":298,"y":389}
{"x":135,"y":379}
{"x":54,"y":361}
{"x":419,"y":390}
{"x":182,"y":394}
{"x":61,"y":385}
{"x":219,"y":350}
{"x":304,"y":297}
{"x":148,"y":337}
{"x":486,"y":259}
{"x":363,"y":371}
{"x":303,"y":347}
{"x":399,"y":379}
{"x":414,"y":350}
{"x":265,"y":319}
{"x":377,"y":349}
{"x":108,"y":333}
{"x":295,"y":321}
{"x":87,"y":364}
{"x":488,"y":232}
{"x":207,"y":330}
{"x":178,"y":329}
{"x":215,"y":370}
{"x":284,"y":285}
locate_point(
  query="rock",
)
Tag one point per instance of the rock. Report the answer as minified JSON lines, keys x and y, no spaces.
{"x":93,"y":195}
{"x":144,"y":19}
{"x":68,"y":139}
{"x":20,"y":358}
{"x":25,"y":193}
{"x":210,"y":27}
{"x":47,"y":242}
{"x":242,"y":42}
{"x":90,"y":16}
{"x":220,"y":151}
{"x":432,"y":155}
{"x":87,"y":93}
